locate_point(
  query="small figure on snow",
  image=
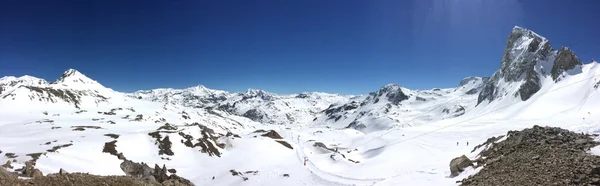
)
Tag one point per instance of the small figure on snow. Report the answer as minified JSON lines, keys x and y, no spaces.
{"x":457,"y":143}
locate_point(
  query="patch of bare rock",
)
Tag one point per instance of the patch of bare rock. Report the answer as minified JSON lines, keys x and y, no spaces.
{"x":534,"y":156}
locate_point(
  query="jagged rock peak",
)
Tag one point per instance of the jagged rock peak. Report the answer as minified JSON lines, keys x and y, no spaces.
{"x":393,"y":92}
{"x":565,"y":60}
{"x":523,"y":49}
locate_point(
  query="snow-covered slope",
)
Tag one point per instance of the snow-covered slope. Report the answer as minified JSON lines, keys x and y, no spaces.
{"x":391,"y":136}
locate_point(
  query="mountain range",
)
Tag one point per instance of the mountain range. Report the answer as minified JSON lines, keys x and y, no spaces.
{"x":204,"y":133}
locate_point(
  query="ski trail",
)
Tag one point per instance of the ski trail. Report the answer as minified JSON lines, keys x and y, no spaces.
{"x":330,"y":177}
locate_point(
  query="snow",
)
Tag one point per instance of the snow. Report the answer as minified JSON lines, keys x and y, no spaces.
{"x":406,"y":143}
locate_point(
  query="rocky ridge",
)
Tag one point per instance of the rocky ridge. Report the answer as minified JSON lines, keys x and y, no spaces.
{"x":537,"y":156}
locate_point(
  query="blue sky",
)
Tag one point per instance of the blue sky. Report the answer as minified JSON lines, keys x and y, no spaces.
{"x":338,"y":46}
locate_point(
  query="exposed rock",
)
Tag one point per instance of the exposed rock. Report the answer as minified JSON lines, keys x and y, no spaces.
{"x":113,"y":136}
{"x":175,"y":180}
{"x":62,"y":172}
{"x":55,"y":148}
{"x":10,"y":155}
{"x":110,"y":147}
{"x":524,"y":49}
{"x":206,"y":142}
{"x":518,"y":60}
{"x":392,"y":92}
{"x":29,"y":170}
{"x":137,"y":170}
{"x":254,"y":114}
{"x":356,"y":125}
{"x":286,"y":144}
{"x":79,"y":179}
{"x":7,"y":165}
{"x":530,"y":86}
{"x":160,"y":174}
{"x":7,"y":178}
{"x":34,"y":156}
{"x":272,"y":134}
{"x":537,"y":156}
{"x":164,"y":147}
{"x":458,"y":164}
{"x":565,"y":60}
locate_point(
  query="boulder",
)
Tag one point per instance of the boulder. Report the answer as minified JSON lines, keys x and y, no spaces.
{"x":62,"y":172}
{"x":458,"y":164}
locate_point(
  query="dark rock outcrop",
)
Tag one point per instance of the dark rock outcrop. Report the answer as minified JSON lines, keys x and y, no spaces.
{"x":208,"y":142}
{"x":254,"y":115}
{"x":392,"y":92}
{"x":272,"y":134}
{"x":565,"y":60}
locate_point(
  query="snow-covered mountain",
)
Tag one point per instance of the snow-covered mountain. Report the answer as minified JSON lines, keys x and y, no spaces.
{"x":528,"y":60}
{"x":72,"y":89}
{"x":391,"y":136}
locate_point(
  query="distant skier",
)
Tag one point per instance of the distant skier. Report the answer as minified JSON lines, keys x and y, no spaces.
{"x":457,"y":143}
{"x":467,"y":143}
{"x":305,"y":160}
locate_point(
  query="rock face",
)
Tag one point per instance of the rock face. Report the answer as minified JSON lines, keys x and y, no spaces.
{"x":537,"y":156}
{"x":524,"y":51}
{"x":565,"y":60}
{"x":138,"y":170}
{"x":475,"y":84}
{"x":392,"y":92}
{"x":458,"y":164}
{"x":31,"y":171}
{"x":158,"y":174}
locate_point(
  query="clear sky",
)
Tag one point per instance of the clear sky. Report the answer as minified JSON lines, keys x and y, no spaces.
{"x":282,"y":46}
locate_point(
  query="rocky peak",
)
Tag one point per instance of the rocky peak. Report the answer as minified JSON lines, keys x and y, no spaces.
{"x":393,"y":93}
{"x":76,"y":80}
{"x":252,"y":93}
{"x":523,"y":49}
{"x":565,"y":60}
